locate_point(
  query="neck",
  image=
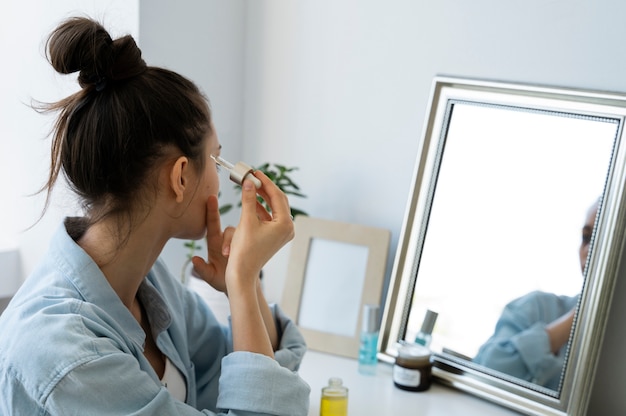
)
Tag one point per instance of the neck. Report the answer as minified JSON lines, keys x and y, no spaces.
{"x":124,"y":265}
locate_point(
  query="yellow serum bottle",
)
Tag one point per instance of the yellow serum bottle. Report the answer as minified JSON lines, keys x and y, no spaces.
{"x":334,"y":398}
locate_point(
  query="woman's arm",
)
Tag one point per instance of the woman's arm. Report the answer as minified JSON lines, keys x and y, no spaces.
{"x":559,"y":331}
{"x":256,"y":239}
{"x":249,"y":331}
{"x":521,"y":345}
{"x":268,"y":317}
{"x":235,"y":259}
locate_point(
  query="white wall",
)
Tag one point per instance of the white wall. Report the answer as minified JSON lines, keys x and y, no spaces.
{"x":340,"y":89}
{"x":202,"y":40}
{"x":24,"y":149}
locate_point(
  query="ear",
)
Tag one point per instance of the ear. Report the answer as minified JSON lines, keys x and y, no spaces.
{"x":179,"y":179}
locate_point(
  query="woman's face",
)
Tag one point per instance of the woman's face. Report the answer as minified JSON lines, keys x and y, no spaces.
{"x":195,"y":215}
{"x":586,"y":235}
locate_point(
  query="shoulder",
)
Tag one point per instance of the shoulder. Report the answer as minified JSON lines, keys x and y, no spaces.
{"x":541,"y":306}
{"x":527,"y":307}
{"x":538,"y":297}
{"x":48,"y":341}
{"x":54,"y":329}
{"x":530,"y":300}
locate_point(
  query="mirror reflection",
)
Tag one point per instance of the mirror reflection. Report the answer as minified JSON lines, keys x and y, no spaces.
{"x":513,"y":187}
{"x":531,"y":336}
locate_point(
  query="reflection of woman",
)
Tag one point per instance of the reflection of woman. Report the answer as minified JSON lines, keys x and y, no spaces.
{"x":101,"y":326}
{"x":532,"y":332}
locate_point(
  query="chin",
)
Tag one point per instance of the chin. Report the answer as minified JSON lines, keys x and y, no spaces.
{"x":198,"y":236}
{"x":192,"y":235}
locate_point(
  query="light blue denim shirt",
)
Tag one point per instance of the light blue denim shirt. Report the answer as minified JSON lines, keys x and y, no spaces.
{"x":520,"y":346}
{"x":68,"y":346}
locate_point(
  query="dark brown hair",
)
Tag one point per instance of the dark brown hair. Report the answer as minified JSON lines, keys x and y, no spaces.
{"x":111,"y":134}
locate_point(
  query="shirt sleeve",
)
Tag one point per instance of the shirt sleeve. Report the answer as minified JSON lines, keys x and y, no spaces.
{"x":253,"y":383}
{"x":292,"y":345}
{"x":249,"y":383}
{"x":520,"y":346}
{"x":256,"y":384}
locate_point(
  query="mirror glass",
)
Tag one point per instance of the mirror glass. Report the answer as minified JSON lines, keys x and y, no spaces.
{"x":512,"y":221}
{"x":507,"y":195}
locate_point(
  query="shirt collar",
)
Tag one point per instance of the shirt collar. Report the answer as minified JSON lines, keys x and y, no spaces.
{"x":85,"y":275}
{"x":156,"y":308}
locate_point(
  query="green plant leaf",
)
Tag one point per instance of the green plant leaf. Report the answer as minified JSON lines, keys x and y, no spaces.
{"x":225,"y":208}
{"x":296,"y":211}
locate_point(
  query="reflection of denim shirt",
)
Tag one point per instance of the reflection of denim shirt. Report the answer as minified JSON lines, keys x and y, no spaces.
{"x":69,"y":346}
{"x":520,"y":346}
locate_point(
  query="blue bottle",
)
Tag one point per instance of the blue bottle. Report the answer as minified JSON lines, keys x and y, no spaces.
{"x":368,"y":350}
{"x":425,"y":335}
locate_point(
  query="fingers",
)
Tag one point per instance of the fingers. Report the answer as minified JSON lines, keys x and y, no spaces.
{"x":248,"y":199}
{"x":214,"y":238}
{"x":213,"y":223}
{"x":212,"y":270}
{"x":209,"y":273}
{"x":201,"y":269}
{"x":275,"y":198}
{"x":262,"y":213}
{"x":227,"y":239}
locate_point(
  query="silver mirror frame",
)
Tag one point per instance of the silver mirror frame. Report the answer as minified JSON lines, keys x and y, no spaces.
{"x":602,"y":265}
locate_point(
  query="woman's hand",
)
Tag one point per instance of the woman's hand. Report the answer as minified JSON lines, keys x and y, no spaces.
{"x":236,"y":256}
{"x":258,"y":235}
{"x":256,"y":239}
{"x":213,"y":270}
{"x":246,"y":249}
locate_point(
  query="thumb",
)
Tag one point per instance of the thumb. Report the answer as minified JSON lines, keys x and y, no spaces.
{"x":248,"y":197}
{"x":201,"y":269}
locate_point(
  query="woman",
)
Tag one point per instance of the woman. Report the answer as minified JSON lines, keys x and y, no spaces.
{"x":531,"y":336}
{"x":101,"y":327}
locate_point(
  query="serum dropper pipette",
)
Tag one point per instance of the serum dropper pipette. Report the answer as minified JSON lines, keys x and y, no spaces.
{"x":238,"y":172}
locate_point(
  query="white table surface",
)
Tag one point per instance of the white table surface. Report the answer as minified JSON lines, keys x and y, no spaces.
{"x":377,"y":395}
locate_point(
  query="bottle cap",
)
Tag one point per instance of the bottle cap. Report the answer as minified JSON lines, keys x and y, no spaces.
{"x":370,"y":318}
{"x":335,"y":389}
{"x":414,"y":352}
{"x":242,"y":171}
{"x":429,"y":322}
{"x":335,"y":382}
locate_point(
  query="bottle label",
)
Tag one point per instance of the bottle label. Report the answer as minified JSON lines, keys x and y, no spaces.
{"x":406,"y":377}
{"x":368,"y":349}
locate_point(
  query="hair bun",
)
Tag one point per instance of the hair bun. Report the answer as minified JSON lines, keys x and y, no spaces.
{"x":82,"y":44}
{"x":127,"y":61}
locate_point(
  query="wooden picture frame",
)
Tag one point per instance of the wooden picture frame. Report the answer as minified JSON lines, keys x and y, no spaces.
{"x":334,"y":270}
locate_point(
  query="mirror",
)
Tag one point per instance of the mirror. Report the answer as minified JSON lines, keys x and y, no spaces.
{"x":506,"y":178}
